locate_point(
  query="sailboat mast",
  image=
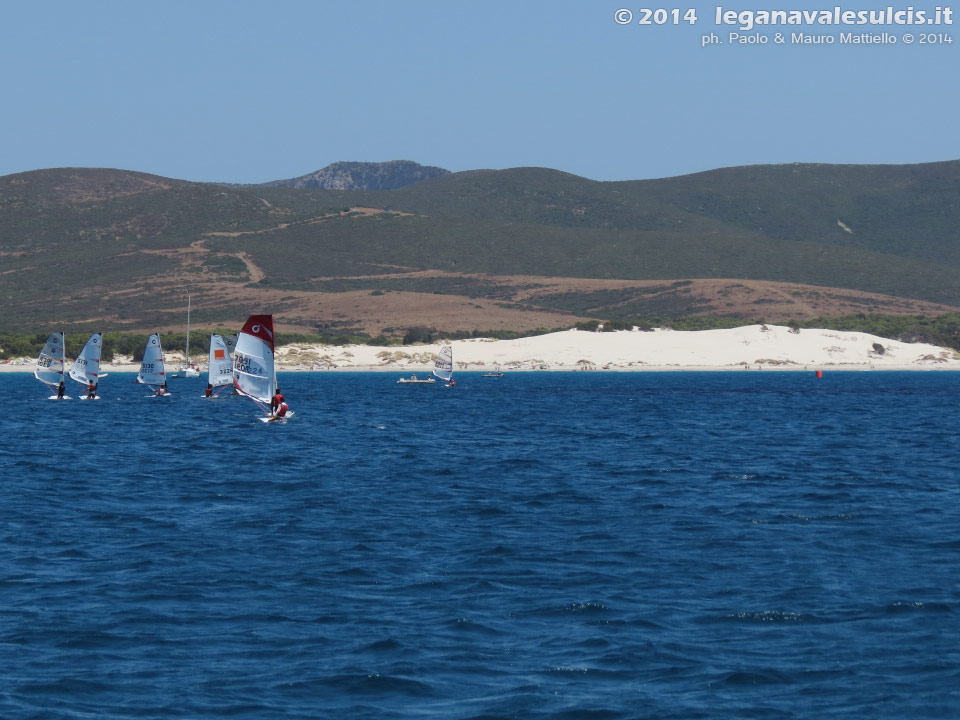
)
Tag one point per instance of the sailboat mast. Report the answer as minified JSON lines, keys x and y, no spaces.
{"x":188,"y":328}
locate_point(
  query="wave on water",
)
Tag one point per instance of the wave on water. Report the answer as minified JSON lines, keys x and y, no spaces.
{"x":565,"y":545}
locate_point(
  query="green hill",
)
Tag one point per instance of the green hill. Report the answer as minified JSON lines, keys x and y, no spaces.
{"x":122,"y":248}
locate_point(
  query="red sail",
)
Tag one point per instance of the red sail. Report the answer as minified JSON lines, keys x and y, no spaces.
{"x":260,"y":326}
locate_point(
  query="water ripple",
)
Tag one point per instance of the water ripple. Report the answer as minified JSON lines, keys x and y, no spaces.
{"x":584,"y":546}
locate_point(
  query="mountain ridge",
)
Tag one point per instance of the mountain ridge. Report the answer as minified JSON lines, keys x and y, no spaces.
{"x":123,"y":248}
{"x":363,"y":176}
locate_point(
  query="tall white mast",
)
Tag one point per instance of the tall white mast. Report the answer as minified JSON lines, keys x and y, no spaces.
{"x":188,"y":329}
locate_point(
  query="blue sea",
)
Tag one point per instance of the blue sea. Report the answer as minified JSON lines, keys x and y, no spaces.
{"x":590,"y":546}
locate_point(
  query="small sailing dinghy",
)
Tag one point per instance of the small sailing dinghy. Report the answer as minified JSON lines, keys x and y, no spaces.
{"x":152,"y":372}
{"x":443,"y":367}
{"x":50,"y":365}
{"x":254,"y":373}
{"x":86,"y":368}
{"x":220,"y":365}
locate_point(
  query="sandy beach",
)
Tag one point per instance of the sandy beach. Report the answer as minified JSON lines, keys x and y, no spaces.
{"x":753,"y":347}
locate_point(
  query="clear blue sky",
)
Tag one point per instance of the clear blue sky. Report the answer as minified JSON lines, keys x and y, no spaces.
{"x":250,"y":91}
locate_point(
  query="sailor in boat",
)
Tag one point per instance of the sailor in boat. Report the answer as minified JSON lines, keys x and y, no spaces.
{"x":209,"y":392}
{"x":91,"y":390}
{"x":162,"y":390}
{"x":61,"y":389}
{"x":278,"y":408}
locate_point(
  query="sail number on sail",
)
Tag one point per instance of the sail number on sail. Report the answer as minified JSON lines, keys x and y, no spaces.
{"x":247,"y":366}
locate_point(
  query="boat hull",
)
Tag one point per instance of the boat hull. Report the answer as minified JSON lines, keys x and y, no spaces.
{"x":415,"y":381}
{"x":185,"y":373}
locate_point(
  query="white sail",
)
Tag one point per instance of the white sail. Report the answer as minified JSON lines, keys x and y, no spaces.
{"x":151,"y":369}
{"x":50,"y":363}
{"x":253,"y":370}
{"x":86,"y":368}
{"x":220,"y":366}
{"x":443,"y":367}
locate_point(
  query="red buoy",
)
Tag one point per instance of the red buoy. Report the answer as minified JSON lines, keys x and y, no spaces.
{"x":819,"y":373}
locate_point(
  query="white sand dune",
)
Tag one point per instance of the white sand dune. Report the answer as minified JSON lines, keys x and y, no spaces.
{"x":756,"y":346}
